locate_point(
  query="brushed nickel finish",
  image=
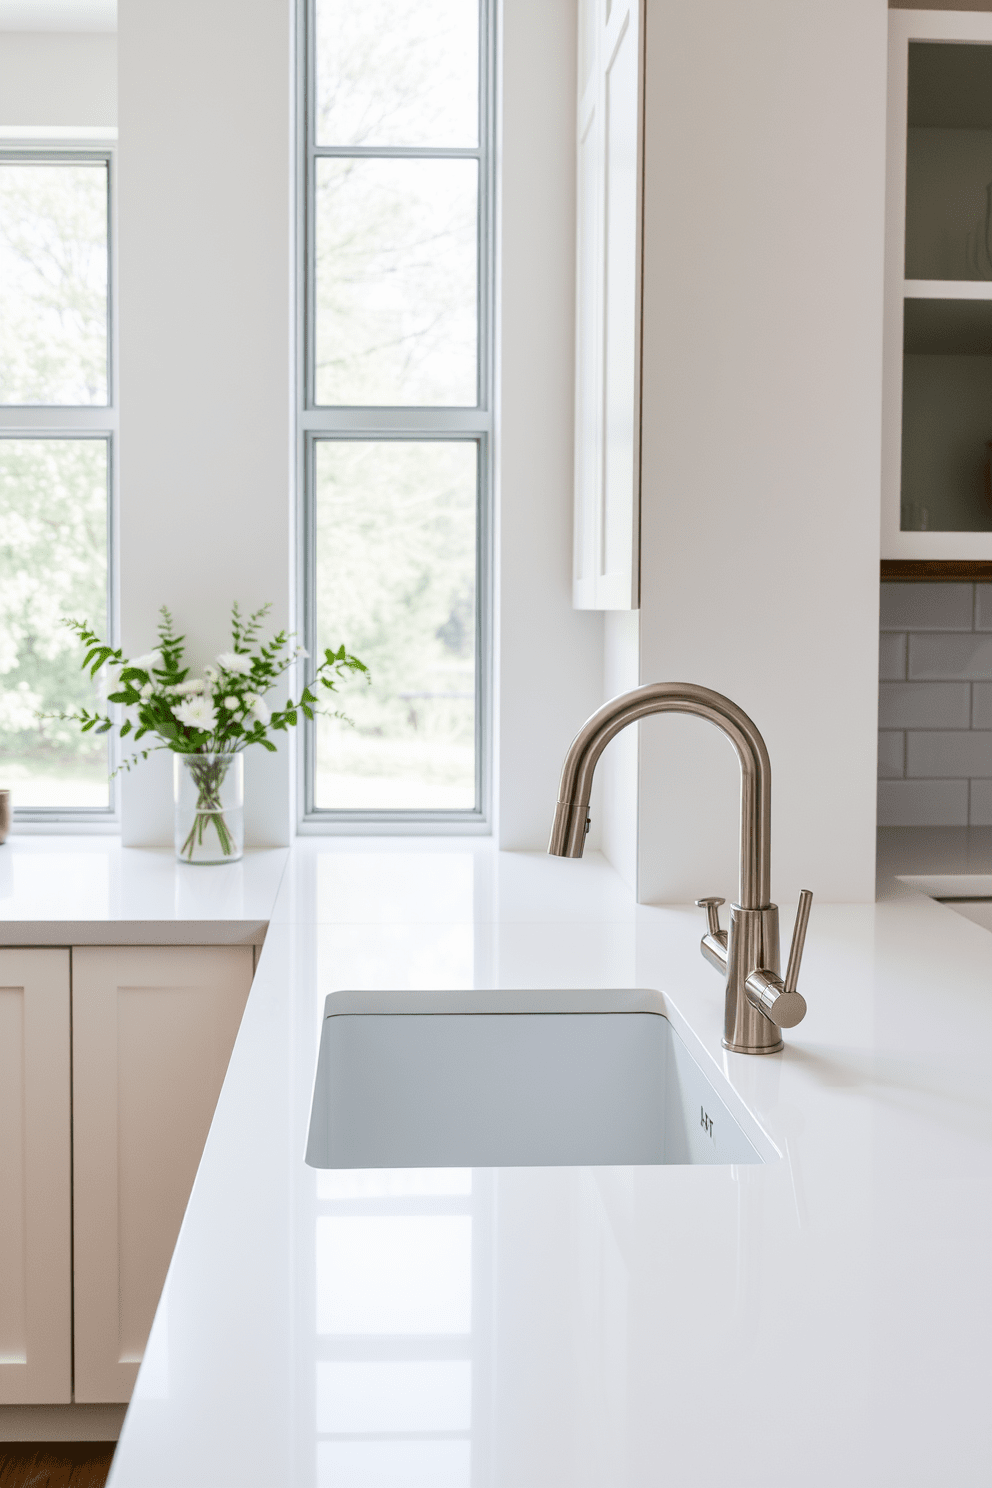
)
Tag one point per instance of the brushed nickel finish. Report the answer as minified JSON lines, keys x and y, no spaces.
{"x":798,"y":940}
{"x":712,"y":908}
{"x":758,"y":1002}
{"x":714,"y":950}
{"x":765,"y":992}
{"x":776,"y":999}
{"x":572,"y":812}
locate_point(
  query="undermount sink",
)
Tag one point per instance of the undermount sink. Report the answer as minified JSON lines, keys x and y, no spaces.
{"x":514,"y":1079}
{"x":968,"y":894}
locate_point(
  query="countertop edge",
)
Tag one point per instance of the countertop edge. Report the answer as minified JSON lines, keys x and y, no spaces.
{"x":132,"y":932}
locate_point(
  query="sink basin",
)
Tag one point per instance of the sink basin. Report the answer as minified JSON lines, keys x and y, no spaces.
{"x":968,"y":894}
{"x":515,"y":1079}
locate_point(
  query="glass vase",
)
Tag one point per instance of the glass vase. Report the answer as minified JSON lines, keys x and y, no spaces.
{"x":210,"y":802}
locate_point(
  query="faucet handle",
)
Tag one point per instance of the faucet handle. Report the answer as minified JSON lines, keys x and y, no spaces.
{"x":798,"y":940}
{"x":778,"y":1000}
{"x":714,"y":943}
{"x":712,"y":908}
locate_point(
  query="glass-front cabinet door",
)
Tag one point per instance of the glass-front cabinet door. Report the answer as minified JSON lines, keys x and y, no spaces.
{"x":937,"y":450}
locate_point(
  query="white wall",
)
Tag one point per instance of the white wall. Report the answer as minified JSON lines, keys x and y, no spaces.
{"x":764,"y":149}
{"x":49,"y":78}
{"x":550,"y":656}
{"x":205,"y":401}
{"x":618,"y":770}
{"x":206,"y":491}
{"x":205,"y":274}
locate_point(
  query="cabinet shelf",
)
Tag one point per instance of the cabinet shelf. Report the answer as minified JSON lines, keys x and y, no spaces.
{"x":937,"y":431}
{"x":947,"y":289}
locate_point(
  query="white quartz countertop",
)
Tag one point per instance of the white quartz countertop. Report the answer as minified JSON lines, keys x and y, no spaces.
{"x":821,"y":1319}
{"x":86,"y":890}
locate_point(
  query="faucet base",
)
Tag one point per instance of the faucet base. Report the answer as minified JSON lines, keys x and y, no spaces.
{"x":753,"y":1048}
{"x":752,"y":941}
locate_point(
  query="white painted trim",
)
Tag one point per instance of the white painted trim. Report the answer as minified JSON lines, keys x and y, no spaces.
{"x":46,"y":133}
{"x":906,"y":26}
{"x":947,"y":289}
{"x":55,"y":421}
{"x":315,"y":422}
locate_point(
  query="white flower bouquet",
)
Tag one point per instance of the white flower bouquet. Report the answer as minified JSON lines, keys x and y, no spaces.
{"x":210,"y":718}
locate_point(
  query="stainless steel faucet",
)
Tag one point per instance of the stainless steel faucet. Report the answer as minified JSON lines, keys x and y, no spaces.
{"x":759,"y":1003}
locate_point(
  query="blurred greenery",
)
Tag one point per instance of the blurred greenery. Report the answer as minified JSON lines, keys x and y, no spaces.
{"x":53,"y":562}
{"x":396,"y":520}
{"x":395,"y":282}
{"x":392,"y":73}
{"x":53,"y":490}
{"x":53,"y":283}
{"x":396,"y":540}
{"x":395,"y":299}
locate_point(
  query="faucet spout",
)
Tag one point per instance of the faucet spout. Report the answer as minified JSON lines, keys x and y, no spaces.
{"x":572,"y":811}
{"x":758,"y":1003}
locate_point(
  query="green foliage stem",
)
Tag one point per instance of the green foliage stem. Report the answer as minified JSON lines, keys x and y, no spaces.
{"x":163,"y":700}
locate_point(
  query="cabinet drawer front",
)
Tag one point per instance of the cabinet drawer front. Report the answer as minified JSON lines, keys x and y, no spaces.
{"x":153,"y":1030}
{"x":35,"y":1193}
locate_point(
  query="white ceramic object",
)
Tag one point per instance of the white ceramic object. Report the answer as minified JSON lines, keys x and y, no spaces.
{"x":519,"y":1079}
{"x":968,"y":894}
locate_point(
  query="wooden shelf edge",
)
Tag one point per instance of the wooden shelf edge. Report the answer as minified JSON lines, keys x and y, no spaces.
{"x":933,"y":570}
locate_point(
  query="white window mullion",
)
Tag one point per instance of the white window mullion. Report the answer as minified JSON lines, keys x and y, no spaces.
{"x":404,"y":435}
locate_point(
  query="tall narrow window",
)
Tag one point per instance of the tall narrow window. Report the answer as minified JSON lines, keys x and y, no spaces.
{"x":57,"y":421}
{"x":396,"y":421}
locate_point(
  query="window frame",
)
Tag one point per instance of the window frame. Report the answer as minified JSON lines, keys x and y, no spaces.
{"x":471,"y":424}
{"x":74,"y":421}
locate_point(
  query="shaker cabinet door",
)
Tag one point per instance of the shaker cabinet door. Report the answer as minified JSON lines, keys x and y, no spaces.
{"x":152,"y":1034}
{"x":608,"y":306}
{"x":35,"y":1191}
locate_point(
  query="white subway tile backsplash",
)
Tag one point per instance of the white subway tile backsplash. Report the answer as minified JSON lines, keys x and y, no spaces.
{"x":946,"y":656}
{"x":981,"y":705}
{"x":926,"y":607}
{"x":891,"y":656}
{"x":954,"y":755}
{"x":981,"y":804}
{"x":983,"y":606}
{"x":891,"y":756}
{"x":923,"y":803}
{"x":924,"y":705}
{"x":935,"y":705}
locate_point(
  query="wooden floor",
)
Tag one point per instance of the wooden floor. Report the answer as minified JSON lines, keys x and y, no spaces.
{"x":55,"y":1464}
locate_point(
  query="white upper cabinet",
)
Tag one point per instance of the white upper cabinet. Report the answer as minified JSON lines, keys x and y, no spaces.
{"x":937,"y":421}
{"x":608,"y":305}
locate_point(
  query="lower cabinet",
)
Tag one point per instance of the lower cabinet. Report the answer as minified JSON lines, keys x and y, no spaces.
{"x":152,"y":1029}
{"x":35,"y":1179}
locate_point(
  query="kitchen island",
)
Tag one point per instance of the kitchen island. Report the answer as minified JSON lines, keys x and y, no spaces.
{"x":822,"y":1318}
